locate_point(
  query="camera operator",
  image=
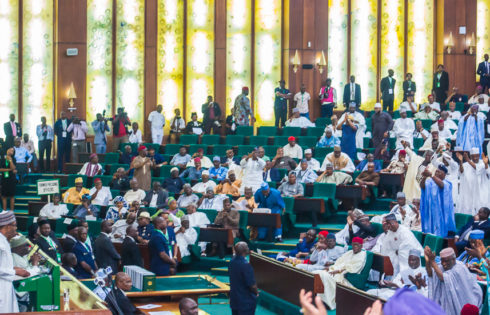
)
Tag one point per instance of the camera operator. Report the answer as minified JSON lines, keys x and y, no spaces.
{"x":100,"y":128}
{"x":120,"y":129}
{"x":211,"y":115}
{"x":79,"y":129}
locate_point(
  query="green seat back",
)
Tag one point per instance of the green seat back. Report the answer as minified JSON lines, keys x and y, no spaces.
{"x":72,"y":177}
{"x":210,"y":213}
{"x":366,"y":142}
{"x":461,"y":219}
{"x":271,"y":150}
{"x":281,"y":140}
{"x":291,"y":131}
{"x":242,"y":224}
{"x":234,"y":139}
{"x":172,"y":148}
{"x":134,"y":146}
{"x":188,"y":139}
{"x":426,"y":123}
{"x":322,"y":122}
{"x":460,"y":105}
{"x":220,"y":149}
{"x":418,"y":143}
{"x":210,"y":139}
{"x":193,"y":148}
{"x":106,"y":179}
{"x":245,"y":149}
{"x":259,"y":140}
{"x":94,"y":228}
{"x":418,"y":235}
{"x":321,"y":153}
{"x":308,"y":142}
{"x":289,"y":204}
{"x":378,"y":227}
{"x":111,"y":157}
{"x":61,"y":227}
{"x":272,"y":184}
{"x":358,"y":280}
{"x":369,"y":124}
{"x":113,"y":167}
{"x":434,"y":242}
{"x":324,"y":190}
{"x":115,"y":193}
{"x":282,"y":172}
{"x":245,"y":130}
{"x":165,"y":170}
{"x":392,"y":143}
{"x":315,"y":131}
{"x":269,"y":131}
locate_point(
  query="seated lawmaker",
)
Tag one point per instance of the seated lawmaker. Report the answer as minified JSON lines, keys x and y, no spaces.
{"x":299,"y":121}
{"x":325,"y":253}
{"x":304,"y":247}
{"x":203,"y":186}
{"x":181,"y":159}
{"x":122,"y":304}
{"x":193,"y":173}
{"x":229,"y":186}
{"x":369,"y":177}
{"x":211,"y":201}
{"x":187,"y":197}
{"x":305,"y":175}
{"x":174,"y":183}
{"x":86,"y":265}
{"x":156,"y":197}
{"x":328,"y":140}
{"x":120,"y":226}
{"x":478,"y":222}
{"x":291,"y":187}
{"x":397,"y":166}
{"x":74,"y":194}
{"x":145,"y":228}
{"x":293,"y":149}
{"x":247,"y":201}
{"x":339,"y":160}
{"x":229,"y":219}
{"x":135,"y":193}
{"x":120,"y":180}
{"x":426,"y":113}
{"x":92,"y":167}
{"x":313,"y":163}
{"x":127,"y":156}
{"x":362,"y":166}
{"x":196,"y":219}
{"x":205,"y":161}
{"x":283,"y":161}
{"x":100,"y":195}
{"x":85,"y":209}
{"x":118,"y":211}
{"x":230,"y":159}
{"x":157,"y":158}
{"x":337,"y":178}
{"x":55,"y":209}
{"x":217,"y":172}
{"x":162,"y":246}
{"x":271,"y":174}
{"x":47,"y":242}
{"x":365,"y":228}
{"x":185,"y":236}
{"x":473,"y":253}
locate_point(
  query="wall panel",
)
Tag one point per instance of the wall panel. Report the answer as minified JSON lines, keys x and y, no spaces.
{"x":337,"y":53}
{"x":482,"y":30}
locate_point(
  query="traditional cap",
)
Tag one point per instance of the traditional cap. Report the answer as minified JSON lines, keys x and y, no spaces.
{"x":78,"y":180}
{"x":173,"y":169}
{"x":400,"y":194}
{"x":440,"y":121}
{"x":357,"y":240}
{"x":197,"y":159}
{"x":377,"y":105}
{"x":200,"y":150}
{"x":474,"y":151}
{"x":85,"y":197}
{"x":308,"y":151}
{"x":403,"y":110}
{"x":447,"y":252}
{"x":331,"y":236}
{"x":442,"y":167}
{"x":245,"y":88}
{"x":97,"y":180}
{"x":291,"y":139}
{"x":295,"y":110}
{"x":72,"y":226}
{"x":205,"y":172}
{"x":188,"y":185}
{"x":337,"y":148}
{"x":390,"y":217}
{"x":141,"y":148}
{"x":477,"y":235}
{"x":470,"y":309}
{"x":217,"y":158}
{"x":434,"y":129}
{"x":352,"y":104}
{"x":414,"y":252}
{"x":402,"y":152}
{"x":230,"y":172}
{"x":119,"y":199}
{"x":323,"y":233}
{"x":364,"y":217}
{"x":185,"y":218}
{"x":91,"y":156}
{"x":406,"y":301}
{"x":144,"y":214}
{"x":264,"y":186}
{"x":329,"y":165}
{"x":209,"y":189}
{"x":18,"y":241}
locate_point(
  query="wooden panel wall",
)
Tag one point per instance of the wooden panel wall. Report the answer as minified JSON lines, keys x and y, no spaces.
{"x":220,"y":55}
{"x":460,"y":64}
{"x":151,"y":37}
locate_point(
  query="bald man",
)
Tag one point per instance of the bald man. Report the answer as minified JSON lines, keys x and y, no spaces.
{"x":124,"y":305}
{"x":188,"y":306}
{"x":162,"y":256}
{"x":243,"y":288}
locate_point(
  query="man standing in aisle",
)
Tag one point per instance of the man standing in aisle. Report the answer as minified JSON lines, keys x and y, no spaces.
{"x":440,"y":85}
{"x":120,"y":129}
{"x":100,"y":138}
{"x":45,"y":135}
{"x":211,"y":115}
{"x":243,"y":288}
{"x":484,"y":73}
{"x":388,"y":91}
{"x":281,"y":104}
{"x":64,"y":140}
{"x":157,"y":121}
{"x":241,"y":109}
{"x":12,"y":130}
{"x":328,"y":98}
{"x":79,"y":129}
{"x":352,"y":93}
{"x":302,"y":98}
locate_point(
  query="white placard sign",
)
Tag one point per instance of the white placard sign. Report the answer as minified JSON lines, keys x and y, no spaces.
{"x":48,"y":187}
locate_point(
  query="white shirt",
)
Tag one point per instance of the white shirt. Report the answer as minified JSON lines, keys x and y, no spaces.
{"x":119,"y":227}
{"x":454,"y":115}
{"x":137,"y":195}
{"x":103,"y":196}
{"x":474,"y":99}
{"x":198,"y":219}
{"x":301,"y":122}
{"x":313,"y":165}
{"x":435,"y":106}
{"x":407,"y":107}
{"x":156,"y":119}
{"x":448,"y":124}
{"x":53,"y":212}
{"x":301,"y":100}
{"x":179,"y":124}
{"x":205,"y":163}
{"x":295,"y":152}
{"x":7,"y":275}
{"x":153,"y":202}
{"x":135,"y":137}
{"x":201,"y":187}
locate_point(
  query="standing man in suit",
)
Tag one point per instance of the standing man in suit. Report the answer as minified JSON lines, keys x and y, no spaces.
{"x":48,"y":243}
{"x":409,"y":87}
{"x":86,"y":266}
{"x":12,"y":130}
{"x":484,"y":72}
{"x":45,"y":135}
{"x":130,"y":254}
{"x":388,"y":91}
{"x":281,"y":103}
{"x":211,"y":115}
{"x":64,"y":140}
{"x":105,"y":253}
{"x":100,"y":138}
{"x":440,"y":85}
{"x":243,"y":288}
{"x":162,"y":248}
{"x":352,"y":93}
{"x":70,"y":239}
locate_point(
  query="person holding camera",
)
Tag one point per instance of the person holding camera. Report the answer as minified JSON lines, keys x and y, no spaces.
{"x":100,"y":138}
{"x":79,"y":129}
{"x":120,"y":129}
{"x":211,"y":115}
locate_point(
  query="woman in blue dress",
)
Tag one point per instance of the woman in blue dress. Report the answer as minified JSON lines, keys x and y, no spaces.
{"x":348,"y":142}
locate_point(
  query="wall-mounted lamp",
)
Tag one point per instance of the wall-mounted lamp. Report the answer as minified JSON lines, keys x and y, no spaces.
{"x":449,"y":43}
{"x":296,"y":61}
{"x":71,"y":96}
{"x":322,"y":63}
{"x":471,"y":44}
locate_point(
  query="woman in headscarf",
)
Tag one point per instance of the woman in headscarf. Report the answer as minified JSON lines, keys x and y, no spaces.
{"x":118,"y":211}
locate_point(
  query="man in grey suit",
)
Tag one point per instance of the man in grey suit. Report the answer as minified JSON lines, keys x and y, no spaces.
{"x":105,"y":253}
{"x":100,"y":138}
{"x":156,"y":197}
{"x":388,"y":91}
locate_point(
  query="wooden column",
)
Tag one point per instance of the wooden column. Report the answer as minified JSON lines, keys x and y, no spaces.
{"x":220,"y":56}
{"x":151,"y":37}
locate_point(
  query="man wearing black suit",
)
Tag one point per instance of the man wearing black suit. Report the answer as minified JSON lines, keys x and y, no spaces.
{"x":478,"y":222}
{"x":409,"y":87}
{"x":105,"y":253}
{"x":440,"y":85}
{"x":352,"y":93}
{"x":64,"y":140}
{"x":48,"y":243}
{"x":12,"y":130}
{"x":156,"y":197}
{"x":122,"y":305}
{"x":388,"y":91}
{"x":130,"y":254}
{"x":71,"y":238}
{"x":484,"y":72}
{"x":211,"y":115}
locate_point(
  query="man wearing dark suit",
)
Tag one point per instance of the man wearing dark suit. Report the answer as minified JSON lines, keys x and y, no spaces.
{"x":156,"y":197}
{"x":122,"y":304}
{"x":440,"y":85}
{"x":243,"y":288}
{"x":130,"y":254}
{"x":211,"y":115}
{"x":352,"y":93}
{"x":12,"y":130}
{"x":388,"y":91}
{"x":48,"y":243}
{"x":105,"y":253}
{"x":64,"y":140}
{"x":71,"y":238}
{"x":162,"y":248}
{"x":484,"y":72}
{"x":409,"y":87}
{"x":478,"y":222}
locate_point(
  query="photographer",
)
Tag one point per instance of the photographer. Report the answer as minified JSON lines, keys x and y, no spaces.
{"x":79,"y":130}
{"x":211,"y":115}
{"x":119,"y":128}
{"x":100,"y":128}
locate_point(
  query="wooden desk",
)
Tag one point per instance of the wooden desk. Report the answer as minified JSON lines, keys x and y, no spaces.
{"x":72,"y":168}
{"x":211,"y":234}
{"x":382,"y":264}
{"x":350,"y":300}
{"x":392,"y":181}
{"x":145,"y":253}
{"x":269,"y":220}
{"x":310,"y":205}
{"x":282,"y":280}
{"x":165,"y":306}
{"x":351,"y":195}
{"x":34,"y":207}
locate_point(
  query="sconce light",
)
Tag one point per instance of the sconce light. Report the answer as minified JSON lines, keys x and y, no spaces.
{"x":296,"y":61}
{"x":71,"y":96}
{"x":471,"y":44}
{"x":322,"y":63}
{"x":450,"y":43}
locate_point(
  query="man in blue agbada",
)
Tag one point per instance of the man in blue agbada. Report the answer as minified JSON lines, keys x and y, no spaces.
{"x":270,"y":198}
{"x":436,"y":203}
{"x":471,"y":132}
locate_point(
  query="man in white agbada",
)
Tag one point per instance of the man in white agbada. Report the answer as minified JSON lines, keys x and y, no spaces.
{"x":201,"y":187}
{"x":157,"y":121}
{"x":185,"y":236}
{"x":405,"y":213}
{"x":305,"y":175}
{"x":413,"y":176}
{"x":196,"y":219}
{"x":434,"y":134}
{"x":448,"y":122}
{"x":120,"y":226}
{"x":325,"y":254}
{"x":473,"y":192}
{"x":452,"y":174}
{"x":312,"y":163}
{"x":211,"y":201}
{"x":292,"y":149}
{"x":351,"y":262}
{"x":414,"y":278}
{"x":55,"y":209}
{"x":451,"y":284}
{"x":299,"y":121}
{"x":8,"y":229}
{"x":399,"y":241}
{"x":339,"y":160}
{"x":403,"y":129}
{"x":359,"y":121}
{"x":253,"y":168}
